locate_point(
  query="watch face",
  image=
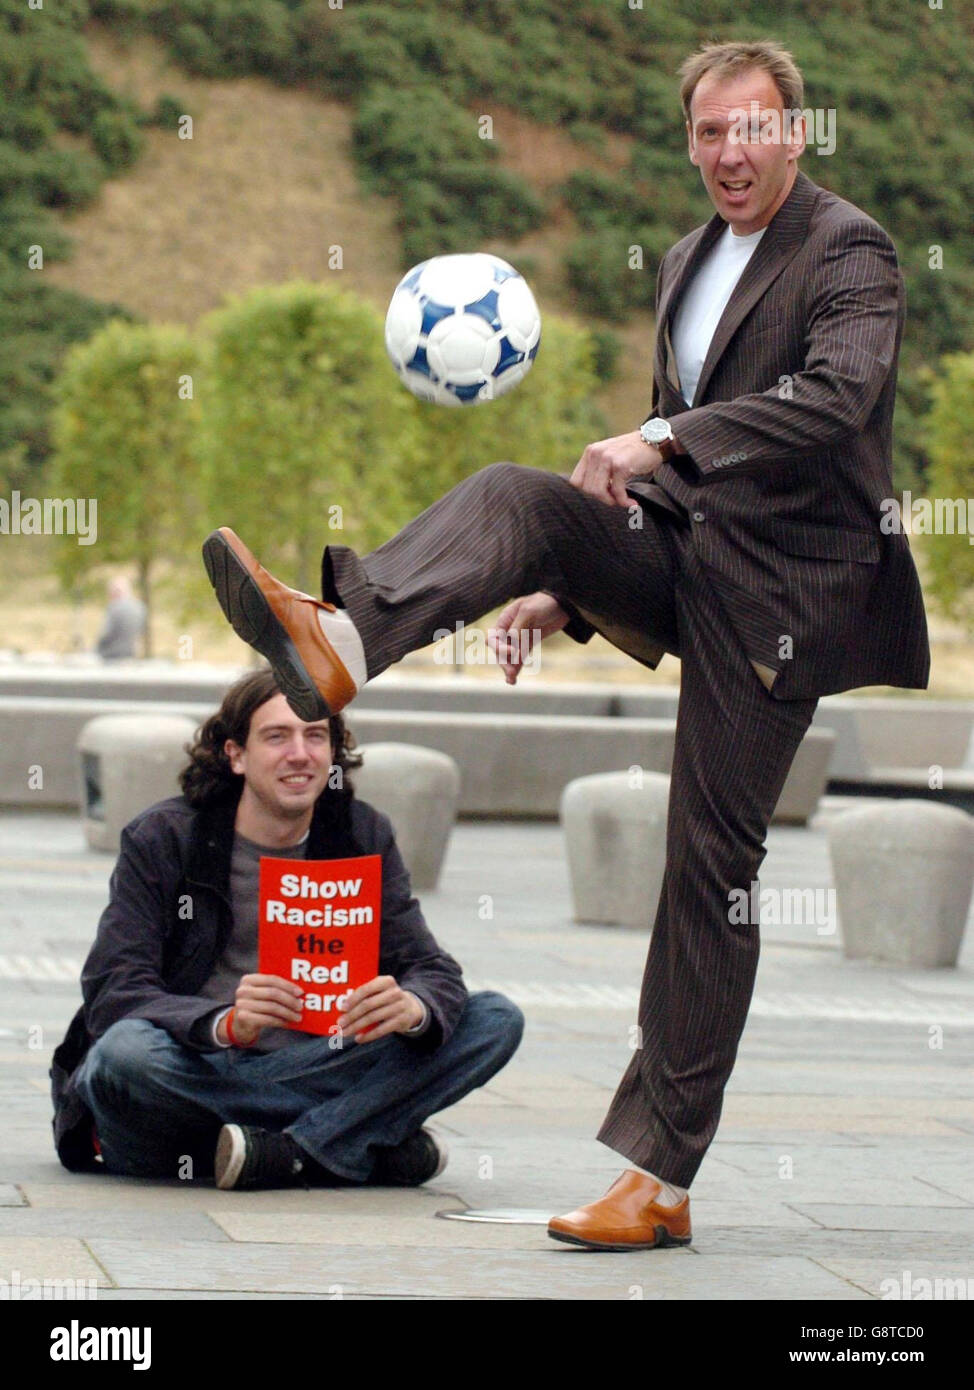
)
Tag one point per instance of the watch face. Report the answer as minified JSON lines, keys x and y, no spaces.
{"x":655,"y":431}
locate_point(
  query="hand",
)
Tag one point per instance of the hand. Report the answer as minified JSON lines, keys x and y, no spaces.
{"x":262,"y":1001}
{"x":379,"y":1008}
{"x":606,"y":467}
{"x":534,"y":613}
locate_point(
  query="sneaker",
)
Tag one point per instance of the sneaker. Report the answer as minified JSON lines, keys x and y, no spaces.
{"x":416,"y":1160}
{"x":247,"y":1157}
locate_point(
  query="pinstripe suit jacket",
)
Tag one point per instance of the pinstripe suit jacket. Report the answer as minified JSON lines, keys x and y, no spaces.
{"x":789,"y":443}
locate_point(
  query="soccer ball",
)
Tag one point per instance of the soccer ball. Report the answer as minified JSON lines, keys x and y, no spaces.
{"x":462,"y":329}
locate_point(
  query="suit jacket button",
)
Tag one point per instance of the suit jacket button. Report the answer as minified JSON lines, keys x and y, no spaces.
{"x":699,"y":516}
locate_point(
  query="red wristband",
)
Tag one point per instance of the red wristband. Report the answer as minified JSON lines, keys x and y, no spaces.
{"x":233,"y":1040}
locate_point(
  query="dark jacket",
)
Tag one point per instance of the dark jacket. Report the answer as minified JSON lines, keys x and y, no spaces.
{"x":169,"y":917}
{"x":789,"y":440}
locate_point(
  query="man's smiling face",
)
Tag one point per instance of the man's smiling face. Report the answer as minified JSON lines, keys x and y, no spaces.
{"x":285,"y":762}
{"x":747,"y":178}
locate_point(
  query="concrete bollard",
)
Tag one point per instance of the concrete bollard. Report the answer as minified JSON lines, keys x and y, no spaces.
{"x":615,"y":837}
{"x":128,"y":762}
{"x":806,"y":779}
{"x":418,"y":789}
{"x":903,"y":877}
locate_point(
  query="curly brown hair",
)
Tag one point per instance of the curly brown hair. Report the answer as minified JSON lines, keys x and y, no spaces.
{"x":208,"y":776}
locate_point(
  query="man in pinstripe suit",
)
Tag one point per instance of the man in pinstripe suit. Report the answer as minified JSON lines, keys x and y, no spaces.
{"x":738,"y":529}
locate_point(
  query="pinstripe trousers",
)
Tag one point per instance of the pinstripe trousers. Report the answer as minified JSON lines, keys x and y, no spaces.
{"x":510,"y":530}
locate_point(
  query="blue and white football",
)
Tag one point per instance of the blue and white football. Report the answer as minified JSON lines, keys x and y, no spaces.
{"x":462,"y":329}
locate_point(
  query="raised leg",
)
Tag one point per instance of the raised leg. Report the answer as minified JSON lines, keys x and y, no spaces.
{"x":504,"y":531}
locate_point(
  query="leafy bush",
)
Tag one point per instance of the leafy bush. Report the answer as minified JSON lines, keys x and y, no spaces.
{"x":400,"y":136}
{"x":65,"y":179}
{"x":48,"y":86}
{"x":606,"y":349}
{"x":597,"y":199}
{"x":24,"y":224}
{"x":466,"y":206}
{"x":37,"y":323}
{"x":27,"y":127}
{"x":193,"y":47}
{"x":121,"y":14}
{"x":598,"y":270}
{"x":117,"y":139}
{"x":948,"y":428}
{"x":168,"y":111}
{"x":252,"y":36}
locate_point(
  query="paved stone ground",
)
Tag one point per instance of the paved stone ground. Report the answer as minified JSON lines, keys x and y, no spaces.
{"x":843,"y":1159}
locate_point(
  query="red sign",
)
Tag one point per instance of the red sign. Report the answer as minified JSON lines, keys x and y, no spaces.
{"x":318,"y":926}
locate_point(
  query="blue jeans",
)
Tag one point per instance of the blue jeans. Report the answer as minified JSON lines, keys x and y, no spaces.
{"x":156,"y":1102}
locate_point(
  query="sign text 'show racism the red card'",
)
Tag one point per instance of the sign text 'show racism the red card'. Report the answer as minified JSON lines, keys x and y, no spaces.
{"x":319,"y":923}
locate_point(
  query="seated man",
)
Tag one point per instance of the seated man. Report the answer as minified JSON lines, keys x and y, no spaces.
{"x":178,"y":1064}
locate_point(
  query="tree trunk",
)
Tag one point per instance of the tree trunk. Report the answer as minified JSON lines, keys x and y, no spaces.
{"x":146,"y":597}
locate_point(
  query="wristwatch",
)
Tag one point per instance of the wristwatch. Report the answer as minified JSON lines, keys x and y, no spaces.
{"x":659,"y":433}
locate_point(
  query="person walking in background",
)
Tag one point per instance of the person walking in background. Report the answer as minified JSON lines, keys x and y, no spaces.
{"x":124,"y":625}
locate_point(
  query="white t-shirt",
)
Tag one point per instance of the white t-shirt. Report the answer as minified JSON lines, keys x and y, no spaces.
{"x":704,"y":302}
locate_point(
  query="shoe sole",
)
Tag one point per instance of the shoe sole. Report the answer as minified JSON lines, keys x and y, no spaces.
{"x":231,"y":1152}
{"x":252,"y":619}
{"x":663,"y":1239}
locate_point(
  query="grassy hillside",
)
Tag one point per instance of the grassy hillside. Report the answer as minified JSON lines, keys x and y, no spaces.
{"x":585,"y":157}
{"x":421,"y":74}
{"x":195,"y":220}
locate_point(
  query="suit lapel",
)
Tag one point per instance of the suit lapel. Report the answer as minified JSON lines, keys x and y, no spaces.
{"x":786,"y":232}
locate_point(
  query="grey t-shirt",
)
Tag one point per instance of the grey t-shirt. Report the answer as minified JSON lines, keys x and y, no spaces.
{"x":240,"y":953}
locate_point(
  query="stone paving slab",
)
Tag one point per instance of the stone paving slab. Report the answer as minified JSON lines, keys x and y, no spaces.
{"x":867,"y":1114}
{"x":370,"y":1230}
{"x":426,"y":1271}
{"x":821,"y":1244}
{"x":212,"y":1296}
{"x":860,"y":1217}
{"x":134,"y":1195}
{"x":959,"y":1185}
{"x":169,"y":1223}
{"x":871,"y":1275}
{"x":876,"y":1123}
{"x":49,"y":1257}
{"x":578,"y":1168}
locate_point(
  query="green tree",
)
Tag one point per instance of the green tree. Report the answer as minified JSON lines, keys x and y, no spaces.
{"x":123,"y":430}
{"x":308,"y":437}
{"x":949,"y":430}
{"x":304,"y":430}
{"x":545,"y":421}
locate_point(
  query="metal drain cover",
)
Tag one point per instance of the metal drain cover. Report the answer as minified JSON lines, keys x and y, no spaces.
{"x":501,"y":1216}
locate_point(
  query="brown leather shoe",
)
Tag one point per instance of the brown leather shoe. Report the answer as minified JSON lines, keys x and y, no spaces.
{"x":280,"y":623}
{"x":626,"y":1218}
